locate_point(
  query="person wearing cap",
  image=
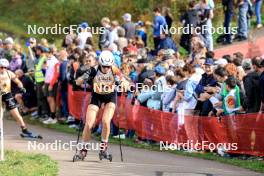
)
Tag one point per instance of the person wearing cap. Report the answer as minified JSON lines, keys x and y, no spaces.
{"x":160,"y":85}
{"x":141,"y":32}
{"x":39,"y":79}
{"x":9,"y":42}
{"x":143,"y":72}
{"x":247,"y":66}
{"x":206,"y":85}
{"x":84,"y":34}
{"x":222,"y":62}
{"x":151,"y":97}
{"x":6,"y":76}
{"x":129,"y":26}
{"x":7,"y":48}
{"x":104,"y":36}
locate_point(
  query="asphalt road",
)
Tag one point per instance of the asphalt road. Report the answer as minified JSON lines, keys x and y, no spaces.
{"x":136,"y":161}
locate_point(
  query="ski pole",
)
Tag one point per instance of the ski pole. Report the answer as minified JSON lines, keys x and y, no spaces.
{"x":120,"y":144}
{"x":81,"y":119}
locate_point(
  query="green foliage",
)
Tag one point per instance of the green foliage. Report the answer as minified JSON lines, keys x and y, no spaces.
{"x":66,"y":12}
{"x":16,"y":15}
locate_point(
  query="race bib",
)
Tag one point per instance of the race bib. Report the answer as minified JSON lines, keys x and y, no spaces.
{"x":104,"y":83}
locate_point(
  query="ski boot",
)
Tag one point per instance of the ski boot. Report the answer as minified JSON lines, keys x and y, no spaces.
{"x":30,"y":135}
{"x":103,"y":154}
{"x":80,"y":156}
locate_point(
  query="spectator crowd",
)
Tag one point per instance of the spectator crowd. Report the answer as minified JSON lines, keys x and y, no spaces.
{"x":198,"y":83}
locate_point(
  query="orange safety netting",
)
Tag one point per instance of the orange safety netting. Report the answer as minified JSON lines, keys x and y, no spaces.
{"x":245,"y":130}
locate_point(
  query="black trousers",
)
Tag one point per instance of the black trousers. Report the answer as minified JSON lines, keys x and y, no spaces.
{"x":43,"y":107}
{"x":156,"y":42}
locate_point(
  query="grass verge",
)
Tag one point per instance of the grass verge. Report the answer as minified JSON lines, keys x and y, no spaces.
{"x":17,"y":163}
{"x":252,"y":164}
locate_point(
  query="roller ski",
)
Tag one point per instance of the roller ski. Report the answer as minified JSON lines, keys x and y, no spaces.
{"x":80,"y":156}
{"x":103,"y":154}
{"x":30,"y":135}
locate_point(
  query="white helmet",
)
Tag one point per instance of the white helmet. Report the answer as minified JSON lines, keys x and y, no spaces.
{"x":106,"y":58}
{"x":4,"y":63}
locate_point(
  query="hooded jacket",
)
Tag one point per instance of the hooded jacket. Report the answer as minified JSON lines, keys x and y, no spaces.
{"x":252,"y":90}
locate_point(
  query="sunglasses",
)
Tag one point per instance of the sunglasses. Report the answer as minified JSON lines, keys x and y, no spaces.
{"x":106,"y":67}
{"x":2,"y":67}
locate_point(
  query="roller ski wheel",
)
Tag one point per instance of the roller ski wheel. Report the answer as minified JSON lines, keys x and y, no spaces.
{"x":105,"y":155}
{"x":31,"y":136}
{"x":80,"y":156}
{"x":77,"y":158}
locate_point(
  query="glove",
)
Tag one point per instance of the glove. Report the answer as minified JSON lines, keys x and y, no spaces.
{"x":117,"y":81}
{"x":23,"y":90}
{"x":86,"y":75}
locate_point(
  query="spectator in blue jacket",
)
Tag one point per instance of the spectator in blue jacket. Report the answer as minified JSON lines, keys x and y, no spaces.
{"x":169,"y":94}
{"x":133,"y":73}
{"x":159,"y":22}
{"x":166,"y":42}
{"x":63,"y":82}
{"x":141,"y":32}
{"x":204,"y":85}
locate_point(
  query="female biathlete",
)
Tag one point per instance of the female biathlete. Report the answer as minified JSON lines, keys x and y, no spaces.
{"x":102,"y":80}
{"x":6,"y":77}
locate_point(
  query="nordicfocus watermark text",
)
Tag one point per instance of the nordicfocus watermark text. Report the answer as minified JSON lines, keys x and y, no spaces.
{"x":58,"y":29}
{"x":58,"y":145}
{"x":131,"y":88}
{"x":198,"y":146}
{"x":204,"y":29}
